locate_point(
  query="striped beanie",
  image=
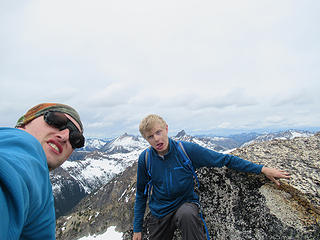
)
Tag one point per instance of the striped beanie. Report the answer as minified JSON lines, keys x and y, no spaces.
{"x":42,"y":108}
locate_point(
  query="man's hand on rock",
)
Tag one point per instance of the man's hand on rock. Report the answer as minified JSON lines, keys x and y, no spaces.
{"x":273,"y":174}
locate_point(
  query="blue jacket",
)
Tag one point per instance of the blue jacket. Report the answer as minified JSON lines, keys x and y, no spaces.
{"x":26,"y":200}
{"x":173,"y":182}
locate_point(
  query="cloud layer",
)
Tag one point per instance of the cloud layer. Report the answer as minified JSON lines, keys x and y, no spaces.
{"x":205,"y":66}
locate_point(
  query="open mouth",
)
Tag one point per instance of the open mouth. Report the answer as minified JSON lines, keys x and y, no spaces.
{"x":54,"y":146}
{"x":159,"y":145}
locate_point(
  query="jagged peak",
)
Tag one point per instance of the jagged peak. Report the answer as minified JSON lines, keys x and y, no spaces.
{"x":124,"y":135}
{"x":181,"y":134}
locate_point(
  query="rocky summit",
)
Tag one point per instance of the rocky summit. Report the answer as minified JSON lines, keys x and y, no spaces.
{"x":235,"y":205}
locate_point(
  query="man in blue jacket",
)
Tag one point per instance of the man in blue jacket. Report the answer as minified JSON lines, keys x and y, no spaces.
{"x":43,"y":139}
{"x":172,"y":201}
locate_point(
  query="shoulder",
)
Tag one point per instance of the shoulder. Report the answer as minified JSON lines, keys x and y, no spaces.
{"x":8,"y":133}
{"x":142,"y":155}
{"x":22,"y":153}
{"x":195,"y":151}
{"x":190,"y":146}
{"x":17,"y":140}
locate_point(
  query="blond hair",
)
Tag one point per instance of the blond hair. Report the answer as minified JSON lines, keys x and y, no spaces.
{"x":148,"y":123}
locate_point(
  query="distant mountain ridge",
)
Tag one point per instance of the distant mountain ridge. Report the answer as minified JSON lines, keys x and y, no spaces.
{"x":288,"y":134}
{"x":123,"y":144}
{"x":92,"y":144}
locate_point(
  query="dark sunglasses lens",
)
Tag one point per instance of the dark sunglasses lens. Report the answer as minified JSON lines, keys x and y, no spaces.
{"x":76,"y":139}
{"x":55,"y":119}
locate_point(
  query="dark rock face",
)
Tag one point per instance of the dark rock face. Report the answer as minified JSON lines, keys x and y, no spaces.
{"x":69,"y":193}
{"x":77,"y":155}
{"x":235,"y":205}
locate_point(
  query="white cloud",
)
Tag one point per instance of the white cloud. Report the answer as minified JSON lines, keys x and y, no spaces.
{"x":203,"y":65}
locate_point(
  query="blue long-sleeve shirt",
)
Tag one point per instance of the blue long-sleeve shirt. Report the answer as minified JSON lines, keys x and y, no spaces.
{"x":172,"y":181}
{"x":26,"y":200}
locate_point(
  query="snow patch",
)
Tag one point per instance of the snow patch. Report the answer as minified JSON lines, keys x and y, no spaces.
{"x":111,"y":233}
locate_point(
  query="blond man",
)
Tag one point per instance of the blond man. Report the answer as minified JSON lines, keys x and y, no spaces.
{"x":173,"y":202}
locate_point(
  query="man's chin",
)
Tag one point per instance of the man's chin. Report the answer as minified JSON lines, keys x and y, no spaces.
{"x":50,"y":167}
{"x":162,"y":151}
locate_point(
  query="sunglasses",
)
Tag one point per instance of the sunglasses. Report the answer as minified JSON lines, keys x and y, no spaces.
{"x":61,"y":122}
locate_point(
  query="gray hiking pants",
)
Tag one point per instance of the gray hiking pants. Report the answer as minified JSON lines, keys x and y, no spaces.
{"x":186,"y":218}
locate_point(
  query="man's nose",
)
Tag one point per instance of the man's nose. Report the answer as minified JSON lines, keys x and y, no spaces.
{"x":64,"y":134}
{"x":156,"y":137}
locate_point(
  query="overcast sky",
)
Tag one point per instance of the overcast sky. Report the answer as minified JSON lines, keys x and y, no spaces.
{"x":205,"y":66}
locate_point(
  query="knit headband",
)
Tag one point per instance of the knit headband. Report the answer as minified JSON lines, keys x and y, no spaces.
{"x":42,"y":108}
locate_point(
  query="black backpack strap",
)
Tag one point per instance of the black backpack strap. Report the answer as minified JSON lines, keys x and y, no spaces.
{"x":187,"y":161}
{"x":147,"y":159}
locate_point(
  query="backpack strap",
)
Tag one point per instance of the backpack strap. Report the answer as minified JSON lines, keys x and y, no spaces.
{"x":187,"y":161}
{"x":148,"y":163}
{"x":148,"y":187}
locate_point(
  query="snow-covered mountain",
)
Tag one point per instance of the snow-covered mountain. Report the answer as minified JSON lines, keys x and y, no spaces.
{"x":79,"y":177}
{"x":289,"y":134}
{"x":99,"y":160}
{"x":124,"y":144}
{"x":214,"y":143}
{"x":92,"y":144}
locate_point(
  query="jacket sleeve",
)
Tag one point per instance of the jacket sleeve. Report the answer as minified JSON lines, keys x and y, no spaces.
{"x":203,"y":157}
{"x":141,"y":198}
